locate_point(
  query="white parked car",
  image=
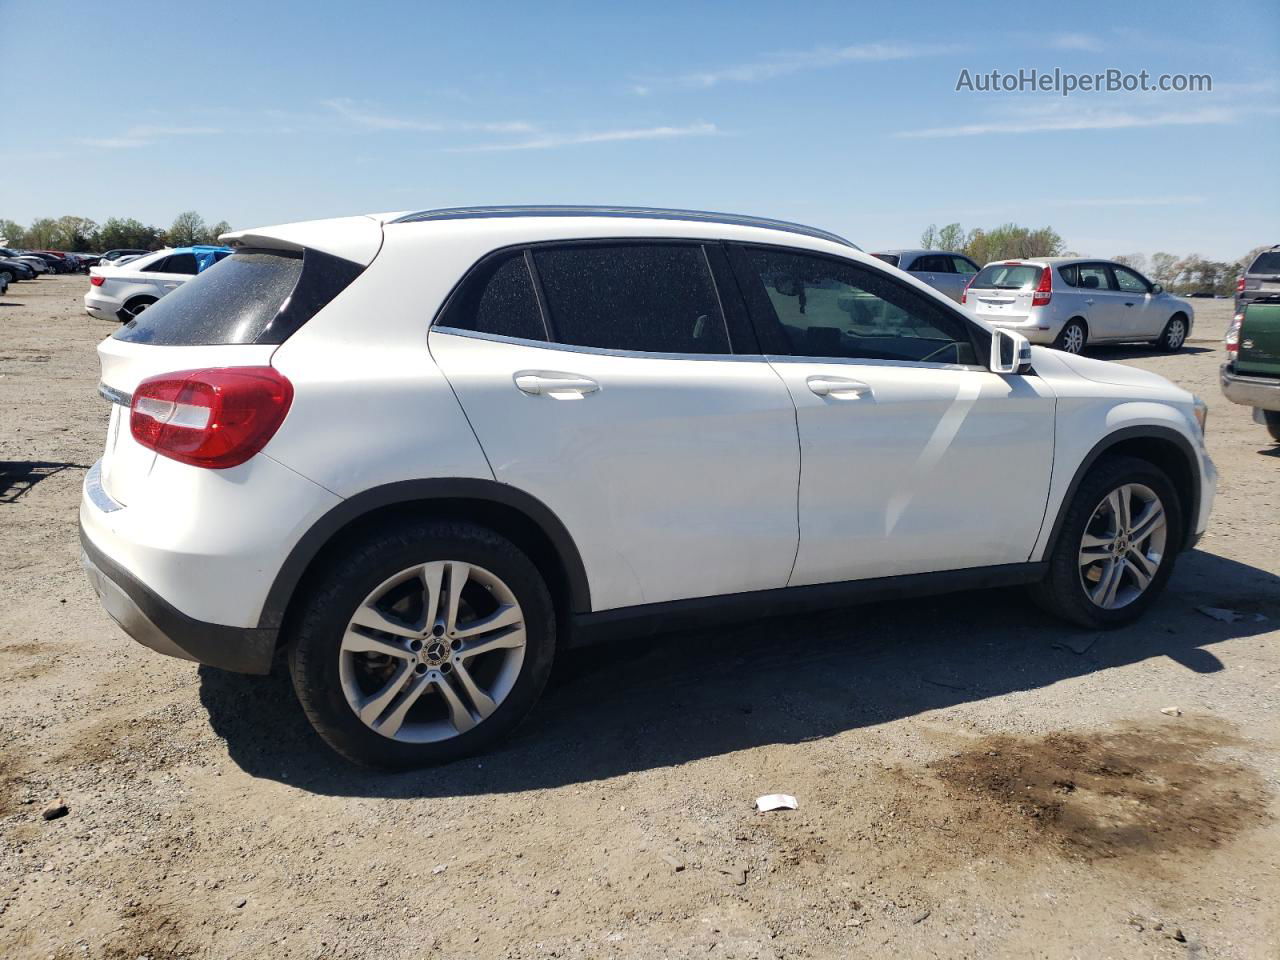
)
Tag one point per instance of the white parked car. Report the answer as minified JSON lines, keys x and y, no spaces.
{"x":122,"y":290}
{"x":421,"y":453}
{"x":1069,"y":302}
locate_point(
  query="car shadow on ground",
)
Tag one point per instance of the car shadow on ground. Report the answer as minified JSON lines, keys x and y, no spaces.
{"x":17,"y":477}
{"x":1136,"y":351}
{"x":663,"y":701}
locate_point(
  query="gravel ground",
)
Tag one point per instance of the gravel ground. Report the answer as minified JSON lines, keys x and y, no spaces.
{"x":974,"y":779}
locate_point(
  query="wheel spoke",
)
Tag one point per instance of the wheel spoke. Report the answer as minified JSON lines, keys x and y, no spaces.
{"x":505,"y":616}
{"x":1104,"y":594}
{"x":509,"y":639}
{"x":430,"y":575}
{"x":391,"y":724}
{"x":459,"y":573}
{"x":459,"y":715}
{"x":1150,"y":520}
{"x":353,"y":641}
{"x":1094,"y":548}
{"x":1144,"y":568}
{"x":373,"y":707}
{"x":1119,"y":503}
{"x":483,"y":702}
{"x":368,"y":616}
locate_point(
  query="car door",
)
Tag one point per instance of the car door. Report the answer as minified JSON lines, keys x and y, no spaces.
{"x":601,"y":378}
{"x":914,"y":457}
{"x":1138,"y":319}
{"x":964,"y":271}
{"x":1103,"y":308}
{"x":170,"y":272}
{"x":928,"y":268}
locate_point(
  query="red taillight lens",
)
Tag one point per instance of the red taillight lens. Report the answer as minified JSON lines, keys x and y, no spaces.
{"x":1232,"y":340}
{"x":964,"y":294}
{"x":1044,"y":292}
{"x":1239,"y":284}
{"x":97,"y":281}
{"x":215,"y":418}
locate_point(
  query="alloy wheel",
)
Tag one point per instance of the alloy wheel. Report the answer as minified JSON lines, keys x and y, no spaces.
{"x":432,"y":651}
{"x":1123,"y":546}
{"x":1073,"y":338}
{"x":1177,"y":333}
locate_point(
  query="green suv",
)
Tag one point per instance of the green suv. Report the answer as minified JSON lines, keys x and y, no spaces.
{"x":1251,"y":374}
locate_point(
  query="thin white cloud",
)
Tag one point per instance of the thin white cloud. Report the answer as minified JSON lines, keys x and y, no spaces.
{"x":142,"y":136}
{"x":1077,"y":41}
{"x":796,"y":61}
{"x":1083,"y":120}
{"x":362,"y":116}
{"x":552,"y":140}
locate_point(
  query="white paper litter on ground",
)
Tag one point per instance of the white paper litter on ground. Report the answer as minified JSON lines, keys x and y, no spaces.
{"x":776,"y":801}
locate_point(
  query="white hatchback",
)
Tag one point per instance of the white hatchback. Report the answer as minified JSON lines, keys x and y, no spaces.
{"x":419,"y":453}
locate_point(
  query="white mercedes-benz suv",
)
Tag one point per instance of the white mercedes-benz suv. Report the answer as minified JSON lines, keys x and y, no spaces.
{"x":416,"y":454}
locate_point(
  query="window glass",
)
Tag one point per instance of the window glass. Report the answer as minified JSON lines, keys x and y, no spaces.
{"x":176,"y":263}
{"x":829,"y":308}
{"x":1129,"y":281}
{"x":1094,"y":276}
{"x":652,"y":297}
{"x":889,"y":258}
{"x":1006,"y":276}
{"x":1070,"y":274}
{"x":1268,"y":262}
{"x":156,"y":266}
{"x":964,"y":265}
{"x":497,"y":297}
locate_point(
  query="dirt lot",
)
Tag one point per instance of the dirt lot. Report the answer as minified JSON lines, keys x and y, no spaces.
{"x":974,"y":780}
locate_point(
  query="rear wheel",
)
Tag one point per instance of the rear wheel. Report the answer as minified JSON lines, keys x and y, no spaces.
{"x":1072,"y":337}
{"x":424,"y":643}
{"x":134,"y":307}
{"x":1174,"y":334}
{"x":1273,"y":423}
{"x":1116,"y":547}
{"x":6,"y":276}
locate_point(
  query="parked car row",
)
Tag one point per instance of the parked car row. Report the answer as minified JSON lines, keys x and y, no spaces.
{"x":123,"y":287}
{"x":1063,"y":302}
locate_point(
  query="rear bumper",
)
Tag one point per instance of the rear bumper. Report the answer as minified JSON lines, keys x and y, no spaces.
{"x":148,"y":618}
{"x":101,"y":307}
{"x":1262,"y":393}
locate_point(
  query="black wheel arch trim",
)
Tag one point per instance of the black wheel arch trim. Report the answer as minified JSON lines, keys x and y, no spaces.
{"x":405,"y":492}
{"x":1110,"y":441}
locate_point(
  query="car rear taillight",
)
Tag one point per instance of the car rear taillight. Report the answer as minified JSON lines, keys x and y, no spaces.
{"x":96,"y":281}
{"x":1045,"y":290}
{"x":215,"y":418}
{"x":964,"y":294}
{"x":1232,"y":340}
{"x":1240,"y":284}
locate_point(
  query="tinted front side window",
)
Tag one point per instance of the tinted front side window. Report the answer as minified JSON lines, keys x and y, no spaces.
{"x":1129,"y":281}
{"x":964,"y":265}
{"x":829,"y":308}
{"x":497,"y":297}
{"x":253,"y":296}
{"x":651,"y":297}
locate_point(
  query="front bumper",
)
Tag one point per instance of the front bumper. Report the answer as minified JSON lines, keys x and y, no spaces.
{"x":148,"y":618}
{"x":1262,"y":393}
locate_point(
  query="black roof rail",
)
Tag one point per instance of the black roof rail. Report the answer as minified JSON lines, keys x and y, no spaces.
{"x":635,"y":213}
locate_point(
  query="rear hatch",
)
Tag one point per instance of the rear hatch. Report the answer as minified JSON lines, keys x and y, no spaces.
{"x":1262,"y":279}
{"x":1002,"y":292}
{"x":1259,"y":344}
{"x":234,"y":314}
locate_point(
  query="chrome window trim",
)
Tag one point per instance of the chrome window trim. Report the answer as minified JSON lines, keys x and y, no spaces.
{"x":596,"y":351}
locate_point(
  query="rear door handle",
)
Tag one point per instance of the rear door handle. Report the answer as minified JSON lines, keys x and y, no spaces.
{"x":1088,"y":300}
{"x":562,"y":386}
{"x":1128,"y":304}
{"x":839,"y":387}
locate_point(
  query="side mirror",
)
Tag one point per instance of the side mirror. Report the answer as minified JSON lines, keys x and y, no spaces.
{"x":1010,"y":352}
{"x":1157,"y":289}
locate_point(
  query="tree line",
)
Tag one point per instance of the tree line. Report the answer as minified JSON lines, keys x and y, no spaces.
{"x":1189,"y":274}
{"x":82,"y":235}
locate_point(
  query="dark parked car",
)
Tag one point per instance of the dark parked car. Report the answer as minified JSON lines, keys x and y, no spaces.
{"x":11,"y":270}
{"x":112,"y":255}
{"x":1261,"y":280}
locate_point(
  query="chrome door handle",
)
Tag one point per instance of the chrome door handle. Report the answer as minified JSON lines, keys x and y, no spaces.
{"x":1128,"y":304}
{"x":838,"y":387}
{"x":559,"y":385}
{"x":1087,"y":300}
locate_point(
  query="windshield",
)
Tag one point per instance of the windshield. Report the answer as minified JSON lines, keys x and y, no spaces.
{"x":1006,"y":276}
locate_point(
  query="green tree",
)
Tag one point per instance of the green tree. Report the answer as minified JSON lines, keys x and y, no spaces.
{"x":1010,"y":241}
{"x":216,"y":231}
{"x":12,"y":234}
{"x":128,"y":234}
{"x":951,"y":237}
{"x":42,"y":234}
{"x":76,"y":234}
{"x":188,"y":228}
{"x":1163,"y":267}
{"x":929,"y":239}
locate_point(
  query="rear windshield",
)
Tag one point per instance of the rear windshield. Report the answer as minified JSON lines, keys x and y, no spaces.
{"x":890,"y":258}
{"x":1006,"y":276}
{"x":1268,"y":262}
{"x":252,"y":296}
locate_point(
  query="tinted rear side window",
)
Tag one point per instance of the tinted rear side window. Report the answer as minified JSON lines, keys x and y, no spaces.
{"x":1268,"y":262}
{"x":654,"y":297}
{"x":1006,"y":276}
{"x":253,"y":296}
{"x":889,"y":258}
{"x":497,"y":297}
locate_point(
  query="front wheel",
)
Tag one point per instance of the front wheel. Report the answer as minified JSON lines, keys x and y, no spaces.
{"x":1072,"y":337}
{"x":1116,"y":546}
{"x":425,"y":642}
{"x":1174,"y":334}
{"x":1272,"y":418}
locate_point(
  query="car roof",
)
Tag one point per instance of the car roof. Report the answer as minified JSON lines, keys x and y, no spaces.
{"x":624,"y":213}
{"x":917,"y":253}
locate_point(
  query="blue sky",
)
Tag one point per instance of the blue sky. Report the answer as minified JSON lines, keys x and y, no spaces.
{"x":838,"y":115}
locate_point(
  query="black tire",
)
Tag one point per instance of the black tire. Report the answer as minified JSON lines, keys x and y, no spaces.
{"x":1174,"y":335}
{"x":1273,"y":423}
{"x":316,"y":631}
{"x":1062,"y":591}
{"x":134,"y":307}
{"x":7,"y":276}
{"x":1065,"y":337}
